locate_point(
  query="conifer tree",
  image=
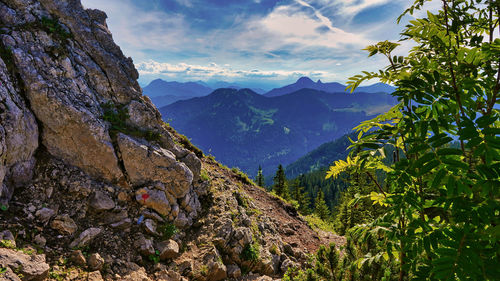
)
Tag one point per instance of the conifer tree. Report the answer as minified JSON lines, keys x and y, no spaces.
{"x":321,"y":209}
{"x":300,"y":196}
{"x":260,"y":177}
{"x":280,"y":186}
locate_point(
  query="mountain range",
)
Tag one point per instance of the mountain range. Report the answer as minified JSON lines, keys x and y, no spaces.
{"x":333,"y":87}
{"x":163,"y":93}
{"x":244,"y":129}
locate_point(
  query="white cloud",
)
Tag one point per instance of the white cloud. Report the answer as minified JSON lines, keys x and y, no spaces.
{"x":212,"y":70}
{"x":135,"y":30}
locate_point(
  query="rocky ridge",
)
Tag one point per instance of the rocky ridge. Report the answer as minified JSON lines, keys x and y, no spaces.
{"x":93,"y":185}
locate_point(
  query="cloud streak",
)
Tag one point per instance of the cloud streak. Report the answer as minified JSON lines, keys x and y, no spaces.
{"x":213,"y":70}
{"x":266,"y":39}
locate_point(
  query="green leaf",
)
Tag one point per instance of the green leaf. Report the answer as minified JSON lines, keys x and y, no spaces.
{"x":438,"y":178}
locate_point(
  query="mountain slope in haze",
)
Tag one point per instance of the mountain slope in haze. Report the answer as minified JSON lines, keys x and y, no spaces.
{"x":161,"y":101}
{"x":224,"y":84}
{"x":333,"y":87}
{"x":244,"y":129}
{"x":160,"y":87}
{"x":321,"y":157}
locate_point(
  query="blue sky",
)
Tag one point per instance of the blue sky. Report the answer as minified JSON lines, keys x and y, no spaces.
{"x":258,"y":43}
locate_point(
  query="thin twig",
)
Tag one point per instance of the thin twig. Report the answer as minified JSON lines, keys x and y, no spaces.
{"x":376,"y":182}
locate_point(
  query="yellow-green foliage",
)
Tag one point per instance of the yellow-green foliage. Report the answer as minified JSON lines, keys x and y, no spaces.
{"x":316,"y":223}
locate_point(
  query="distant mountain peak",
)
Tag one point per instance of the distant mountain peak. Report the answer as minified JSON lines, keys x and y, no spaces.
{"x":319,"y":82}
{"x":304,"y":80}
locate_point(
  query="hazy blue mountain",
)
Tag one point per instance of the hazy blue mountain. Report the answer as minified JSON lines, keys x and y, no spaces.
{"x":333,"y":87}
{"x":244,"y":129}
{"x":160,"y":87}
{"x":223,"y":84}
{"x":161,"y":101}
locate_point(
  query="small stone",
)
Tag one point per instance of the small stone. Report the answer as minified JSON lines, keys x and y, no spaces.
{"x":233,"y":271}
{"x":175,"y":210}
{"x":94,"y":276}
{"x":145,"y":246}
{"x":45,"y":214}
{"x":40,"y":240}
{"x":168,"y":249}
{"x":85,"y":237}
{"x":95,"y":262}
{"x":181,"y":221}
{"x":153,"y":215}
{"x":287,"y":263}
{"x":7,"y":235}
{"x":123,"y":197}
{"x":101,"y":202}
{"x":64,"y":224}
{"x":150,"y":226}
{"x":31,"y":208}
{"x":77,"y":258}
{"x":123,"y":224}
{"x":217,"y":271}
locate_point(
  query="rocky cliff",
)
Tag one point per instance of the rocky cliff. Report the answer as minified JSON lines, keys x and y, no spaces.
{"x":94,"y":185}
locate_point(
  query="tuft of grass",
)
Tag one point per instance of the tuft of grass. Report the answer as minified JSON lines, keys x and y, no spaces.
{"x":117,"y":116}
{"x":242,"y":176}
{"x":204,"y":176}
{"x":316,"y":223}
{"x":241,"y":199}
{"x":274,"y":250}
{"x":167,"y":230}
{"x":7,"y":244}
{"x":52,"y":26}
{"x":184,"y":141}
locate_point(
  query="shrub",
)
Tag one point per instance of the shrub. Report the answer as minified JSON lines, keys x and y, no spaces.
{"x":250,"y":252}
{"x":167,"y":230}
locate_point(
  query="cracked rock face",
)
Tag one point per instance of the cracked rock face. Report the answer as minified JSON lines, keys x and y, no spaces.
{"x":59,"y":66}
{"x":150,"y":164}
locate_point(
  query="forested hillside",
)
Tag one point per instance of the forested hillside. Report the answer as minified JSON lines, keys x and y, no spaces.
{"x":244,"y":129}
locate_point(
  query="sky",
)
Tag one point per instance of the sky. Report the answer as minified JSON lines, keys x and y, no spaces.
{"x":256,"y":43}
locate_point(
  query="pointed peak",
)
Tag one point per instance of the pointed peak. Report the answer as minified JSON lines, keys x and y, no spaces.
{"x":319,"y":81}
{"x":304,"y":80}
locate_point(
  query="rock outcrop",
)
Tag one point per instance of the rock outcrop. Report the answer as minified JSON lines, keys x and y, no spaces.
{"x":92,"y":177}
{"x":67,"y":89}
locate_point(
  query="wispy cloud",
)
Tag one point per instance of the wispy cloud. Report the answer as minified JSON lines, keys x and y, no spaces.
{"x":213,"y":70}
{"x":260,"y":39}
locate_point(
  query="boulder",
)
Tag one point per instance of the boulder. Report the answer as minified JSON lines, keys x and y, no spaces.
{"x":101,"y":202}
{"x":168,"y":249}
{"x":94,"y":276}
{"x":7,"y":235}
{"x":85,"y":237}
{"x":95,"y":262}
{"x":64,"y":224}
{"x":77,"y":258}
{"x":154,"y":199}
{"x":145,"y":164}
{"x":45,"y":214}
{"x":144,"y":246}
{"x":32,"y":267}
